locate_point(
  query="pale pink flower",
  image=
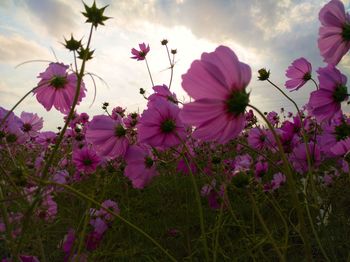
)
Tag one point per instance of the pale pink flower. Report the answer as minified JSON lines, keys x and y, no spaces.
{"x":140,"y":166}
{"x":86,"y":160}
{"x":160,"y":125}
{"x":140,"y":54}
{"x":107,"y":136}
{"x":299,"y":73}
{"x":217,"y":83}
{"x":31,"y":124}
{"x":57,"y":88}
{"x":334,"y":33}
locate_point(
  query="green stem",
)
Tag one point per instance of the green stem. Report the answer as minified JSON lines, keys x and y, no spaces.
{"x":218,"y":231}
{"x":291,"y":185}
{"x":199,"y":205}
{"x":265,"y":228}
{"x":313,"y":80}
{"x":125,"y":221}
{"x":48,"y":163}
{"x":171,"y":67}
{"x":149,"y":72}
{"x":8,"y":227}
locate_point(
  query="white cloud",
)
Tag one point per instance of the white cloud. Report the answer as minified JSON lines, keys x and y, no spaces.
{"x":16,"y":49}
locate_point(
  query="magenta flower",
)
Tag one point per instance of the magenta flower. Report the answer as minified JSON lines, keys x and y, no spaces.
{"x":257,"y":138}
{"x":334,"y":33}
{"x":140,"y":54}
{"x":68,"y":243}
{"x":298,"y":158}
{"x":299,"y":73}
{"x":162,"y":92}
{"x":48,"y":208}
{"x":83,"y":118}
{"x":46,"y":138}
{"x":31,"y":124}
{"x":261,"y":168}
{"x":217,"y":82}
{"x":57,"y":88}
{"x":160,"y":125}
{"x":108,"y":136}
{"x":326,"y":102}
{"x":140,"y":167}
{"x":273,"y":118}
{"x":277,"y":181}
{"x":341,"y":148}
{"x":118,"y":112}
{"x":131,"y":120}
{"x":86,"y":160}
{"x":110,"y":204}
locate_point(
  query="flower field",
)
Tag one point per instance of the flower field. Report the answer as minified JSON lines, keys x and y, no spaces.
{"x":212,"y":179}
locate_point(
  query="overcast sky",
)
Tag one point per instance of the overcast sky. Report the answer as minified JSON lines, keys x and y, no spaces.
{"x":263,"y":33}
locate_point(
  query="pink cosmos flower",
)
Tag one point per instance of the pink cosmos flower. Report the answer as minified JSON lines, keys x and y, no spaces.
{"x":11,"y":128}
{"x":217,"y":82}
{"x":31,"y":124}
{"x":333,"y":133}
{"x":162,"y":92}
{"x":131,"y":120}
{"x":299,"y":73}
{"x":46,"y":138}
{"x":118,"y":112}
{"x":108,"y":136}
{"x":86,"y":160}
{"x":68,"y":243}
{"x":257,"y":138}
{"x":299,"y":158}
{"x":326,"y":102}
{"x":160,"y":125}
{"x":57,"y":88}
{"x":261,"y":168}
{"x":61,"y":177}
{"x":140,"y":168}
{"x":83,"y":118}
{"x":278,"y":180}
{"x":334,"y":33}
{"x":110,"y":204}
{"x":273,"y":118}
{"x":212,"y":194}
{"x":93,"y":240}
{"x":140,"y":54}
{"x":25,"y":258}
{"x":48,"y":208}
{"x":341,"y":148}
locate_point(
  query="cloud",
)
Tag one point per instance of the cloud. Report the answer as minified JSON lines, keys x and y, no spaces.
{"x":56,"y":17}
{"x":16,"y":49}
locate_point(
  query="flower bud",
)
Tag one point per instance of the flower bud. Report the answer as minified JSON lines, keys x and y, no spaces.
{"x":263,"y":74}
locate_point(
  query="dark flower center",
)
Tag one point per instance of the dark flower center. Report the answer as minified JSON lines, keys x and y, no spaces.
{"x":237,"y":102}
{"x":342,"y":131}
{"x":120,"y":131}
{"x":58,"y":81}
{"x":142,"y":54}
{"x":148,"y":162}
{"x":262,"y":138}
{"x":307,"y":76}
{"x":168,"y":126}
{"x":346,"y":32}
{"x":340,"y":93}
{"x":26,"y":127}
{"x":87,"y":162}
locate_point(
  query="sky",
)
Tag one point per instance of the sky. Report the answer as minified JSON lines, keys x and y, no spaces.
{"x":263,"y":33}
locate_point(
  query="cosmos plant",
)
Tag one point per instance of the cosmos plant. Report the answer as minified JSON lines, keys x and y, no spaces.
{"x":208,"y":178}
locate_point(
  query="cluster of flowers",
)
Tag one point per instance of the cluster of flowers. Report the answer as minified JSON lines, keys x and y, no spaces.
{"x":216,"y":116}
